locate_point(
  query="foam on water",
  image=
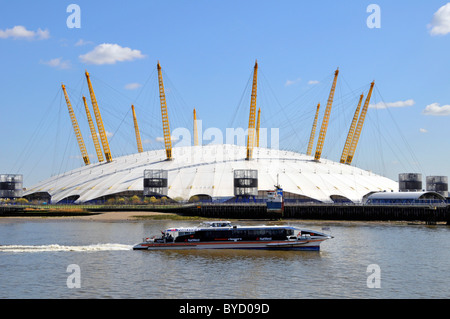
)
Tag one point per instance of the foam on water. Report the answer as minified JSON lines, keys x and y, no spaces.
{"x":56,"y":247}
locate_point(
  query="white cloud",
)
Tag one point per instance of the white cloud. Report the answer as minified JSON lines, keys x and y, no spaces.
{"x":311,"y":82}
{"x":108,"y":53}
{"x":109,"y":134}
{"x":20,"y":32}
{"x":382,"y":105}
{"x":147,"y":141}
{"x":82,"y":42}
{"x":440,"y":25}
{"x":42,"y":34}
{"x":58,"y":63}
{"x":436,"y":110}
{"x":291,"y":82}
{"x":423,"y":130}
{"x":161,"y":139}
{"x":132,"y":86}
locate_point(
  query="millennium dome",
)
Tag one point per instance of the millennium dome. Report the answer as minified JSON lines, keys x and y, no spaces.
{"x":208,"y":171}
{"x":214,"y":172}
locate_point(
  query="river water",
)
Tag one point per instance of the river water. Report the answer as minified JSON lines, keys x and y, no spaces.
{"x":40,"y":259}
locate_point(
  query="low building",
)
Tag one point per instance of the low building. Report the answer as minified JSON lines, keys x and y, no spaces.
{"x":403,"y":198}
{"x":11,"y":186}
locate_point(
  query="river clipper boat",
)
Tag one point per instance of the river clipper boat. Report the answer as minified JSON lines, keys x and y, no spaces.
{"x":224,"y":235}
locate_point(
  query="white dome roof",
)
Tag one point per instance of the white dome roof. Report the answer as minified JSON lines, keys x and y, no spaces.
{"x":209,"y":170}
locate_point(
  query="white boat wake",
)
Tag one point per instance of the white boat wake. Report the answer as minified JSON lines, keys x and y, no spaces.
{"x":56,"y":248}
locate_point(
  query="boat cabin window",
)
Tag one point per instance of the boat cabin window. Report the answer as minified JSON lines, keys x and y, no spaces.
{"x":217,"y":224}
{"x":185,"y":233}
{"x":224,"y":233}
{"x":245,"y":233}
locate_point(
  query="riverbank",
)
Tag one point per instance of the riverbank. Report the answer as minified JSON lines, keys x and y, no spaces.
{"x":90,"y":212}
{"x":104,"y":216}
{"x":130,"y":216}
{"x":431,"y":215}
{"x":121,"y":216}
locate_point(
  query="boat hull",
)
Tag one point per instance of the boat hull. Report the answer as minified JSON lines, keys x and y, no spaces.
{"x":267,"y":245}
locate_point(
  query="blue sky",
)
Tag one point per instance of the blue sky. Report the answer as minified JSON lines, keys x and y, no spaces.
{"x":207,"y":50}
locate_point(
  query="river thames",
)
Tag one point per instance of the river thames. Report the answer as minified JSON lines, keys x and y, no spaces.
{"x":39,"y":259}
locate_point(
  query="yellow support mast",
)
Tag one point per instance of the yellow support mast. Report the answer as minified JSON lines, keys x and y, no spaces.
{"x":326,"y":119}
{"x":258,"y":123}
{"x":313,"y":132}
{"x":98,"y":149}
{"x":164,"y":115}
{"x":195,"y":129}
{"x":98,"y":118}
{"x":136,"y":130}
{"x":358,"y":130}
{"x":251,"y":120}
{"x":351,"y":132}
{"x":76,"y":128}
